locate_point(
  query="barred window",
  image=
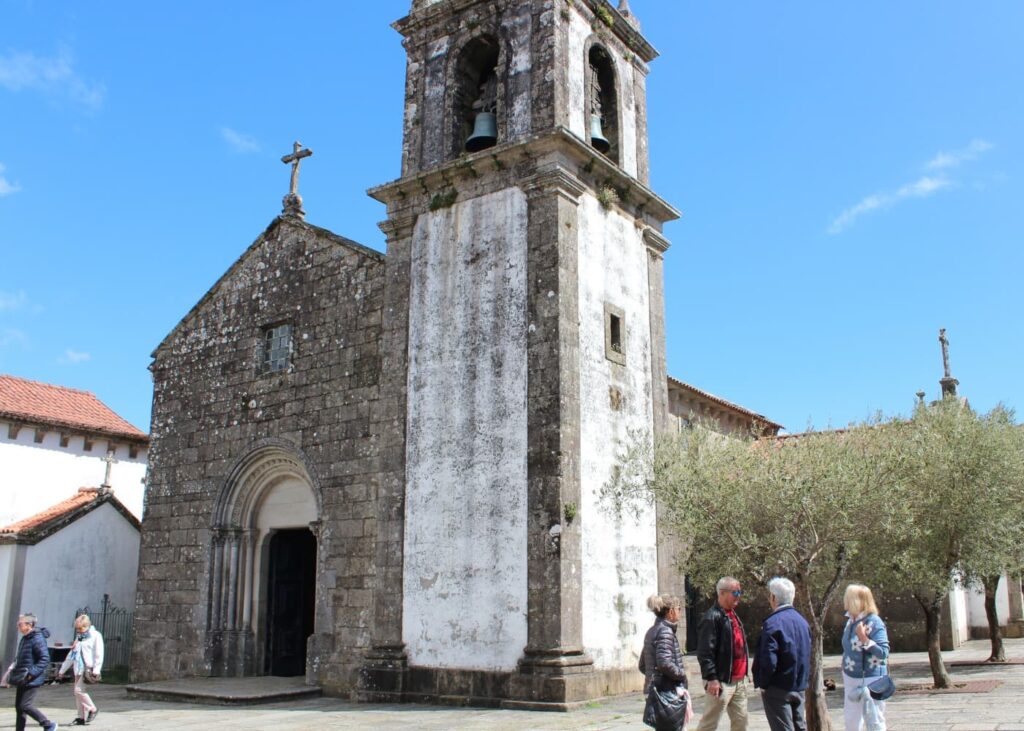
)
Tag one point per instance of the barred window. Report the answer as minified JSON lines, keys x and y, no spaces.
{"x":277,"y":347}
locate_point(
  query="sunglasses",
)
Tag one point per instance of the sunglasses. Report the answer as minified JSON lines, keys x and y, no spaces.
{"x":736,"y":592}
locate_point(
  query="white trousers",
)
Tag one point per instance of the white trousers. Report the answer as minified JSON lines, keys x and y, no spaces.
{"x":853,"y":706}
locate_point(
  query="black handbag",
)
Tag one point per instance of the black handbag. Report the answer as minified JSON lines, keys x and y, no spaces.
{"x":18,"y":677}
{"x":665,"y":709}
{"x":881,"y":688}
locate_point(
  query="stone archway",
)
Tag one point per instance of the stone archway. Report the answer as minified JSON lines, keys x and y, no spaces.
{"x":269,"y":491}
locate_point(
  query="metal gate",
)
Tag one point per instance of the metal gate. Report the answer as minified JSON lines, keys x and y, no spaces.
{"x":115,"y":624}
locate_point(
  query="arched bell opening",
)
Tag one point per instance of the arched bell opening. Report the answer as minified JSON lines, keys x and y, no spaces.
{"x":602,"y":109}
{"x":475,"y":111}
{"x":263,"y":567}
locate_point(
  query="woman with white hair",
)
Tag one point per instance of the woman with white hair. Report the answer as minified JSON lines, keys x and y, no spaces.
{"x":865,"y":656}
{"x":86,"y":660}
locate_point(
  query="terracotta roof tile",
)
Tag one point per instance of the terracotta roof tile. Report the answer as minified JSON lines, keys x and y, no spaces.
{"x":58,"y":406}
{"x":722,"y":402}
{"x":84,"y":496}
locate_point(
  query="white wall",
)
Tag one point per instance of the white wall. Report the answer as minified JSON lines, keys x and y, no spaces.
{"x":95,"y":555}
{"x":465,"y":574}
{"x":976,"y":604}
{"x":619,"y":556}
{"x":36,"y":476}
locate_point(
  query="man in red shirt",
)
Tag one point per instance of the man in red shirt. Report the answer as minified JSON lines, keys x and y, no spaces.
{"x":722,"y":654}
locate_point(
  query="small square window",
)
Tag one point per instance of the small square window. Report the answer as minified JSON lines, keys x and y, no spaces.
{"x":615,"y":334}
{"x":277,"y":348}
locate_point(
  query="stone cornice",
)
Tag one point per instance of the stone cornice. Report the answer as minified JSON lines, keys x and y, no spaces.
{"x":558,"y":149}
{"x":655,"y":241}
{"x":620,"y":26}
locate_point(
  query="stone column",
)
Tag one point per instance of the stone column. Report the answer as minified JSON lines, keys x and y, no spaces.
{"x":232,"y":576}
{"x":383,"y":673}
{"x":554,"y":660}
{"x":216,"y":578}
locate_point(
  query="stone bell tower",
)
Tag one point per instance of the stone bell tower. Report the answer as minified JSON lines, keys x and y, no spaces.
{"x":523,"y":340}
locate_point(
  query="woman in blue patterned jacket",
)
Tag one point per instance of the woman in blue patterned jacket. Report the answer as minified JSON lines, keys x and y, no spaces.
{"x":865,"y":656}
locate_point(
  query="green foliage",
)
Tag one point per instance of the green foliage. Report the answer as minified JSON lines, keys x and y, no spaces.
{"x":607,"y":196}
{"x":444,"y":200}
{"x":963,"y":478}
{"x":570,"y":511}
{"x":605,"y":15}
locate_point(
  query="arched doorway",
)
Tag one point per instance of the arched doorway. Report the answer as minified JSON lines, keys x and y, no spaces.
{"x":263,"y":566}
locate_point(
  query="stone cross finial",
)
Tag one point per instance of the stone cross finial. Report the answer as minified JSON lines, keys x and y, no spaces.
{"x":293,"y":201}
{"x":947,"y":382}
{"x":109,"y":459}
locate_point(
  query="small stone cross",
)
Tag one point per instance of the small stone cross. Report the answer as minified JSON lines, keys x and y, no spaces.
{"x":109,"y":459}
{"x":293,"y":201}
{"x":944,"y":341}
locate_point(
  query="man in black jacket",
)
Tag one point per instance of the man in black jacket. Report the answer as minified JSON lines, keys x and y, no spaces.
{"x":722,"y":654}
{"x":782,"y":665}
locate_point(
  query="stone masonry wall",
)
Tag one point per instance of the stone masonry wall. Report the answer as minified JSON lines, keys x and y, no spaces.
{"x":212,"y":406}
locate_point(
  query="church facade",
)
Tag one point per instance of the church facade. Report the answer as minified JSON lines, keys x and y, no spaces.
{"x":383,"y":472}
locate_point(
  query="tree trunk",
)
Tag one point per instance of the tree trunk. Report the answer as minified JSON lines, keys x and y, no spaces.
{"x":932,"y":607}
{"x":817,"y":705}
{"x":814,"y":699}
{"x":995,"y":632}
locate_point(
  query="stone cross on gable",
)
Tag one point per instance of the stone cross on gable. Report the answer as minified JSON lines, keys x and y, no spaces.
{"x":111,"y":461}
{"x":293,"y":201}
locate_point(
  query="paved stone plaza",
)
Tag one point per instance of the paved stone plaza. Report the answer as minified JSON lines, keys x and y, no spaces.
{"x":1001,"y":709}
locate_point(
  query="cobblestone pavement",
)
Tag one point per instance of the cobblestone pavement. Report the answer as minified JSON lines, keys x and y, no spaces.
{"x":1001,"y":709}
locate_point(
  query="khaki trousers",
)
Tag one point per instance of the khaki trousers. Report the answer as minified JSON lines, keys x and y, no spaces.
{"x":733,"y":701}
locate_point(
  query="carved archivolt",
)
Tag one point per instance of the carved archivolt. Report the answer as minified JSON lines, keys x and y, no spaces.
{"x":252,"y":479}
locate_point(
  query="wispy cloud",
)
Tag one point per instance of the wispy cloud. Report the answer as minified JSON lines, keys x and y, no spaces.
{"x":12,"y":336}
{"x":73,"y":357}
{"x":947,"y":160}
{"x":6,"y":186}
{"x":924,"y":187}
{"x":12,"y":300}
{"x":55,"y":75}
{"x":238,"y":141}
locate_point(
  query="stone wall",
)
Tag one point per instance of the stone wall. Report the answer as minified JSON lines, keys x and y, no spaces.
{"x":213,"y":405}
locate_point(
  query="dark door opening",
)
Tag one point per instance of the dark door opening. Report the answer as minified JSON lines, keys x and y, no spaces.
{"x":291,"y":592}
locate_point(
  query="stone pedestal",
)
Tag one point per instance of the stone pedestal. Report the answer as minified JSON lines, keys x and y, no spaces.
{"x":383,"y":675}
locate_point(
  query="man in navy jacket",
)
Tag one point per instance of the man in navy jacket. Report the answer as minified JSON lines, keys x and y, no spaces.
{"x":782,"y":665}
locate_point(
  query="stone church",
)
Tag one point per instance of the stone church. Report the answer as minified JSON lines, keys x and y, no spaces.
{"x":382,"y":471}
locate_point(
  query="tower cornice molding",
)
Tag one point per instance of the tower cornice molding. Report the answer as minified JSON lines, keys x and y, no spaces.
{"x":514,"y":163}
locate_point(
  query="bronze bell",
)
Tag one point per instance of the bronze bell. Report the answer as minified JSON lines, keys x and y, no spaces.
{"x":597,"y":138}
{"x":485,"y":132}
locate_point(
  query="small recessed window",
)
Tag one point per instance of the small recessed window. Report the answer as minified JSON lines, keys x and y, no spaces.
{"x":277,"y":348}
{"x":614,"y":334}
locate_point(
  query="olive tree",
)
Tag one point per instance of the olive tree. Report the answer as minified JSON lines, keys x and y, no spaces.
{"x":799,"y":507}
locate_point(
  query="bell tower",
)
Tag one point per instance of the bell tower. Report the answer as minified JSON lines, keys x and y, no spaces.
{"x":523,"y":340}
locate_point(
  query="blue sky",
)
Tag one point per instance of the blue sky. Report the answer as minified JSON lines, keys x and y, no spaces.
{"x":850,"y":177}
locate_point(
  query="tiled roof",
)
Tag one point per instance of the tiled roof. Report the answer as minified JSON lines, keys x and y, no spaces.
{"x":84,"y":496}
{"x":40,"y":525}
{"x":722,"y":402}
{"x":61,"y":407}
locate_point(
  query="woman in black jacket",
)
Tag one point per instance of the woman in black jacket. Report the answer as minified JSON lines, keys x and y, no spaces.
{"x":662,"y":660}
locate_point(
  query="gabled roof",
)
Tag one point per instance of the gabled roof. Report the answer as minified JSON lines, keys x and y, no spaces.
{"x":276,"y":223}
{"x":736,"y":408}
{"x":38,"y":403}
{"x":35,"y":528}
